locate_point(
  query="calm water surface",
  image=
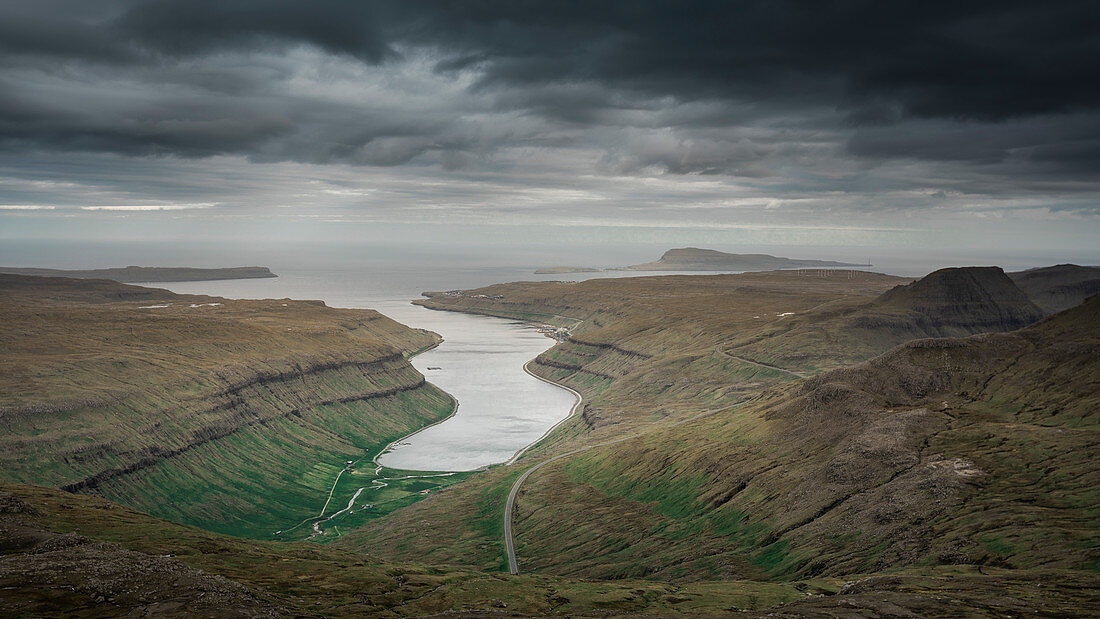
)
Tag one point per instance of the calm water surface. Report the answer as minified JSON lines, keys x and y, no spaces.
{"x":480,"y":362}
{"x":501,"y":408}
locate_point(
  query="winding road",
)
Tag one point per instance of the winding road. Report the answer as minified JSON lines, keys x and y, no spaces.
{"x":509,"y":546}
{"x":509,"y":507}
{"x":718,"y":349}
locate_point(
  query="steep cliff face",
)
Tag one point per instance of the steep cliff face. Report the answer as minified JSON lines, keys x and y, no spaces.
{"x":952,"y":302}
{"x":889,"y":463}
{"x":232,"y":415}
{"x":1058,"y":287}
{"x":962,"y":451}
{"x":967,"y":300}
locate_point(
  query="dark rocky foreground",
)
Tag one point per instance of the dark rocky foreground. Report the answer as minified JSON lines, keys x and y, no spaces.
{"x":75,"y":556}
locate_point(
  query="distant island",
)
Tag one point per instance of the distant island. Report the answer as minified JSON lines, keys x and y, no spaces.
{"x":695,"y":259}
{"x":560,"y":270}
{"x":149,"y":274}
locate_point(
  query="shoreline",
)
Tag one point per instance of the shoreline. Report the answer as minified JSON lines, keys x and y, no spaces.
{"x":515,"y":456}
{"x":454,"y":411}
{"x":572,"y":413}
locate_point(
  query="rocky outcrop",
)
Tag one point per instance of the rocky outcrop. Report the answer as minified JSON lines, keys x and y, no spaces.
{"x":572,"y":367}
{"x":81,"y":573}
{"x":605,"y":346}
{"x":970,"y":299}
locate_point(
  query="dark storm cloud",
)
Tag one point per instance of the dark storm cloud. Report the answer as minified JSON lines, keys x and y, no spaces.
{"x":793,"y":96}
{"x":960,"y":59}
{"x":980,"y":59}
{"x":199,"y":26}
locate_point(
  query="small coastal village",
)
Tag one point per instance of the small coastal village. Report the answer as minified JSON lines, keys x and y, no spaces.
{"x":558,"y":333}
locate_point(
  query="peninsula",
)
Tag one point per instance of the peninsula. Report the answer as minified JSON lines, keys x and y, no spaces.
{"x":695,"y":259}
{"x":148,"y":274}
{"x":560,"y":270}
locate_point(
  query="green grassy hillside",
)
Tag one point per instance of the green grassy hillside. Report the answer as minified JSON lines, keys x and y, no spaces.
{"x":66,"y":555}
{"x":971,"y":451}
{"x":79,"y":556}
{"x":643,"y":352}
{"x":960,"y":451}
{"x":944,"y":477}
{"x":237,"y":416}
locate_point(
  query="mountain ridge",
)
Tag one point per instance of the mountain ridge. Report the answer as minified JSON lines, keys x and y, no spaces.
{"x":1059,"y":287}
{"x":974,"y":298}
{"x":768,"y":489}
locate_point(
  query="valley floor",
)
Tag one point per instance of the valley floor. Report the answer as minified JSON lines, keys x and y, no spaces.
{"x":762,"y":443}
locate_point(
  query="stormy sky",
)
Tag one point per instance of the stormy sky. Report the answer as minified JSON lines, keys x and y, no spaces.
{"x":922,"y":120}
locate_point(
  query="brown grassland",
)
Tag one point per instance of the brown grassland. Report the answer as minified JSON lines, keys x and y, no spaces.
{"x":876,"y":446}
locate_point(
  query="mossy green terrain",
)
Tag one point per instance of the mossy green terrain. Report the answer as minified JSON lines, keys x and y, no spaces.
{"x":846,"y":469}
{"x":236,"y":416}
{"x":75,"y":555}
{"x":80,"y":556}
{"x":643,"y":352}
{"x":976,"y":451}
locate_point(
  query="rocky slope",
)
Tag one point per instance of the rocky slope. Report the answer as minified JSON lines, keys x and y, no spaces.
{"x":962,"y":301}
{"x":960,"y":451}
{"x":946,"y":303}
{"x":1058,"y":287}
{"x":77,"y":556}
{"x":232,"y":415}
{"x":945,"y":477}
{"x":946,"y":451}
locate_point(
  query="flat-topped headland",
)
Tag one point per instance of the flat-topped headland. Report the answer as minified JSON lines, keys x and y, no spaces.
{"x":148,"y":274}
{"x":695,"y":259}
{"x":560,"y":270}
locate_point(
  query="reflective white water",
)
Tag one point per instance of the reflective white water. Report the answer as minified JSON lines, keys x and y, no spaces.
{"x":501,"y":408}
{"x":480,"y":362}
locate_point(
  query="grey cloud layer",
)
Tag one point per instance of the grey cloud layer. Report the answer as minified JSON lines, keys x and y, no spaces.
{"x":793,"y":100}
